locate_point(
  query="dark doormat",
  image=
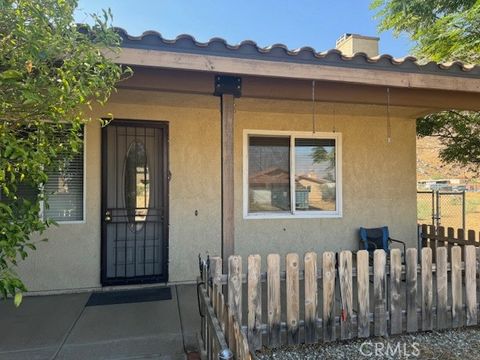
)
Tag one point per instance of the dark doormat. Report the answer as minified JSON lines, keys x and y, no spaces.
{"x":129,"y":296}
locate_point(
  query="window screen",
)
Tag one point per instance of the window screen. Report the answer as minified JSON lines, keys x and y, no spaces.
{"x":269,"y":174}
{"x":315,"y":182}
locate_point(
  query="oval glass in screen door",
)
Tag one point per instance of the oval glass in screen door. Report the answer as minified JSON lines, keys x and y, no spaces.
{"x":137,"y":189}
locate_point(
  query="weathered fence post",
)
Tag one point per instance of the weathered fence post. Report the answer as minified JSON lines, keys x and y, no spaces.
{"x":363,"y":295}
{"x":273,"y":299}
{"x":232,"y":338}
{"x":395,"y":299}
{"x":293,"y":298}
{"x":411,"y":263}
{"x":461,"y":236}
{"x":311,"y":297}
{"x":432,"y":235}
{"x":254,"y":302}
{"x":234,"y":298}
{"x":442,"y":287}
{"x":450,"y":235}
{"x":427,"y":289}
{"x":471,"y":284}
{"x":328,"y":296}
{"x":216,"y":274}
{"x":471,"y":237}
{"x":346,"y":294}
{"x":441,"y":235}
{"x":235,"y":286}
{"x":456,"y":275}
{"x":379,"y":315}
{"x":424,"y":234}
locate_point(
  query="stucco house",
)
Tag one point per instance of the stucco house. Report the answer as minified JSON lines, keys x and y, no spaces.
{"x":224,"y":149}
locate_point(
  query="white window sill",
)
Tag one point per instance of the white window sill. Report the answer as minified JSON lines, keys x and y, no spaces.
{"x":297,"y":215}
{"x":73,"y":222}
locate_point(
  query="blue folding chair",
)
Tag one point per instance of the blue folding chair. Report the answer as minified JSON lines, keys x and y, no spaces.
{"x":377,"y":238}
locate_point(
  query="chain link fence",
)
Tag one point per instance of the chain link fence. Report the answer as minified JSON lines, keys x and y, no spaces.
{"x":442,"y":208}
{"x":425,"y":207}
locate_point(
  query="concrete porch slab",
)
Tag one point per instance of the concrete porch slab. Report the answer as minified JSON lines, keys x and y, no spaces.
{"x":39,"y":326}
{"x":61,"y":327}
{"x":189,"y":316}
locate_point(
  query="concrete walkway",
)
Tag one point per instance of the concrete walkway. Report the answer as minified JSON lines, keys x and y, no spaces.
{"x":61,"y":327}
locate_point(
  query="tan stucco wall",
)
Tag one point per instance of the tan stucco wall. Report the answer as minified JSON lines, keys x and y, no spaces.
{"x":378,"y":188}
{"x":71,"y":257}
{"x":378,"y":185}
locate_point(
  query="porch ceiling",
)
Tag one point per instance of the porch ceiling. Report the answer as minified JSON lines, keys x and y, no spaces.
{"x":281,"y":94}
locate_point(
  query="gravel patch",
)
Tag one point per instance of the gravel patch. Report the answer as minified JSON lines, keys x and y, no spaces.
{"x":442,"y":345}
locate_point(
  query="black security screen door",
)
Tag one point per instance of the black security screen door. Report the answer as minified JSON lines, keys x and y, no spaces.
{"x":134,"y":202}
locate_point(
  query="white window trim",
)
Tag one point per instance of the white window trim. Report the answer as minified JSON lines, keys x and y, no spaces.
{"x":84,"y":215}
{"x":295,"y":214}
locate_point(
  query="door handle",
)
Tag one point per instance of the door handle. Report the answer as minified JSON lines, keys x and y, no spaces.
{"x":108,"y":216}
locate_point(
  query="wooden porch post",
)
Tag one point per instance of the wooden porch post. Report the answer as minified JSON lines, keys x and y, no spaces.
{"x":227,"y":88}
{"x":228,"y":223}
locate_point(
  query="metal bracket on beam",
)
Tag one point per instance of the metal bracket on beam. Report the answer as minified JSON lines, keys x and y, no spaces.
{"x":228,"y":85}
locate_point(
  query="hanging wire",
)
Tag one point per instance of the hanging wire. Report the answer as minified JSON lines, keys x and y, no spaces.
{"x":389,"y":125}
{"x":334,"y":119}
{"x":313,"y":107}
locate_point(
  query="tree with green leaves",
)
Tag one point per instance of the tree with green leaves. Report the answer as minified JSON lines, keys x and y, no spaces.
{"x":443,"y":31}
{"x":51,"y":73}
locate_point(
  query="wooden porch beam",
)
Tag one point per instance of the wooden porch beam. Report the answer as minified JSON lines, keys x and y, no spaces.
{"x":228,"y":223}
{"x":196,"y":82}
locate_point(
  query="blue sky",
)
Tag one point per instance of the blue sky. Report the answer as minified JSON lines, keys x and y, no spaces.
{"x":293,"y":23}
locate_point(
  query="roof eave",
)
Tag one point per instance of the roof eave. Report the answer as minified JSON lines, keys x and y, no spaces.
{"x":279,"y":69}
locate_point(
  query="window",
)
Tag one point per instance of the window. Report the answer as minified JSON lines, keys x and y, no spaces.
{"x":64,"y":189}
{"x":292,"y":174}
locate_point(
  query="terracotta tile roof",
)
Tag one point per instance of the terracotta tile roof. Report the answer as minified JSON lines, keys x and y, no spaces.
{"x":248,"y":49}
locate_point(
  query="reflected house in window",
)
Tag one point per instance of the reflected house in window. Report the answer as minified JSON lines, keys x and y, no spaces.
{"x":270,"y":190}
{"x":310,"y":187}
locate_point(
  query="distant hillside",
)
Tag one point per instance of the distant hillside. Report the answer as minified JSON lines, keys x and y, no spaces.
{"x":429,"y":165}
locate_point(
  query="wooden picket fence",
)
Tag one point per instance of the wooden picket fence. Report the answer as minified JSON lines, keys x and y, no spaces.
{"x":221,"y":333}
{"x":350,"y":295}
{"x":433,"y":237}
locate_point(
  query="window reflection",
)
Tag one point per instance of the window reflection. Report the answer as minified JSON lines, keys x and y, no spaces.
{"x":137,"y":185}
{"x":315,"y":183}
{"x":269,"y":174}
